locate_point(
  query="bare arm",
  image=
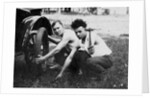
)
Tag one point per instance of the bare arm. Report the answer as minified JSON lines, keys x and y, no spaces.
{"x":67,"y":62}
{"x":62,"y":44}
{"x":54,"y":40}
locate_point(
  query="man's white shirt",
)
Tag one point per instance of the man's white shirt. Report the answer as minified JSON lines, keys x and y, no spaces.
{"x":100,"y":49}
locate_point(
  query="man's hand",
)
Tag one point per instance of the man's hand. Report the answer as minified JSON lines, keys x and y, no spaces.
{"x":58,"y":76}
{"x":91,"y":50}
{"x":39,"y":60}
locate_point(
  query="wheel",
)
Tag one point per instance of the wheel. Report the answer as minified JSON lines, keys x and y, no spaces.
{"x":42,"y":45}
{"x":37,"y":45}
{"x":29,"y":49}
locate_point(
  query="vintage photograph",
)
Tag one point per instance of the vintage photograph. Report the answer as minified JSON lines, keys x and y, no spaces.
{"x":71,"y":47}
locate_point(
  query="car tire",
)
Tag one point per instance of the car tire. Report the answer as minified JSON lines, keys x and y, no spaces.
{"x":38,"y":47}
{"x":41,"y":42}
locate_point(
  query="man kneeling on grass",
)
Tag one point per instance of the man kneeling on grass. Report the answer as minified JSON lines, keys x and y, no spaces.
{"x":68,"y":40}
{"x":94,"y":53}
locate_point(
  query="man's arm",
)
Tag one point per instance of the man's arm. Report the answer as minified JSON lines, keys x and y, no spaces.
{"x":54,"y":40}
{"x":62,"y":44}
{"x":67,"y":63}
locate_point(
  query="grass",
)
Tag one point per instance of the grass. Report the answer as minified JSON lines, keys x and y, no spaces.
{"x":115,"y":77}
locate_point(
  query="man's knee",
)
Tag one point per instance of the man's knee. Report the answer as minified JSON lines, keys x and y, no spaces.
{"x":105,"y":62}
{"x":90,"y":61}
{"x":81,"y":55}
{"x":61,"y":56}
{"x":109,"y":62}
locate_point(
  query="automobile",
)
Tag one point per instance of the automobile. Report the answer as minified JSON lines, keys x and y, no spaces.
{"x":32,"y":31}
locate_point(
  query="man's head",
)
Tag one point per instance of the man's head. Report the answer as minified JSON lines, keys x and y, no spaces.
{"x":79,"y":26}
{"x":58,"y":27}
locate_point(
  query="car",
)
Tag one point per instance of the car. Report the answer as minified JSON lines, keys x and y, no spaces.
{"x":32,"y":31}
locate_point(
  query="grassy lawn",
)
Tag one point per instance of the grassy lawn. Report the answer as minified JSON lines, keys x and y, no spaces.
{"x":115,"y":77}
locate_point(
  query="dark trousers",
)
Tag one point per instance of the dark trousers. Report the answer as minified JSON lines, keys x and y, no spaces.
{"x":82,"y":60}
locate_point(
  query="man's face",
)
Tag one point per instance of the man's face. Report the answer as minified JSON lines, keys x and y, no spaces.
{"x":80,"y":32}
{"x":58,"y":29}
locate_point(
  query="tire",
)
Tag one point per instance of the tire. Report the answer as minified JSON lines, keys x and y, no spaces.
{"x":41,"y":45}
{"x":34,"y":44}
{"x":38,"y":47}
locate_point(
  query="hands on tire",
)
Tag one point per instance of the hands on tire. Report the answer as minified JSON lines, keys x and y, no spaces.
{"x":39,"y":60}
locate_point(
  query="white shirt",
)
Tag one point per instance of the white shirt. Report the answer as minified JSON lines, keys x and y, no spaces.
{"x":99,"y":44}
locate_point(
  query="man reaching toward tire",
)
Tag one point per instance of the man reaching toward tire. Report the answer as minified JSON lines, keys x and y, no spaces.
{"x":68,"y":40}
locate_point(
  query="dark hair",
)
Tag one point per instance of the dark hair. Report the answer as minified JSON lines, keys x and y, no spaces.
{"x":57,"y":21}
{"x":77,"y":23}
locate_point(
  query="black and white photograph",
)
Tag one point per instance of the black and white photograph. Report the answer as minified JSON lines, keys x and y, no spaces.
{"x":86,"y":48}
{"x":71,"y":47}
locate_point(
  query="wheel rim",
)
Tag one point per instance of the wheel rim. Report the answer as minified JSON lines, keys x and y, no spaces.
{"x":30,"y":53}
{"x":29,"y":49}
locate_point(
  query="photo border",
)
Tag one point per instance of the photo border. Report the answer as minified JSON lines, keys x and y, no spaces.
{"x":135,"y":47}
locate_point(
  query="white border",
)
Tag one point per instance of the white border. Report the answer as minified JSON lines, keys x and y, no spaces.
{"x":135,"y":48}
{"x":147,"y":20}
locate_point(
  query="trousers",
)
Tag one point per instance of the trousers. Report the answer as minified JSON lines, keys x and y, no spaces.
{"x":82,"y":60}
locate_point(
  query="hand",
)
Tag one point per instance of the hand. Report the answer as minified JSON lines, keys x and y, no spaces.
{"x":91,"y":49}
{"x":39,"y":60}
{"x":58,"y":76}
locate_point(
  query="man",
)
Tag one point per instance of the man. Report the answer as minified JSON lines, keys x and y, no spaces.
{"x":69,"y":40}
{"x":94,"y":53}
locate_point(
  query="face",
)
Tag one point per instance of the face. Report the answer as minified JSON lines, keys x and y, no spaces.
{"x":80,"y":32}
{"x":58,"y":29}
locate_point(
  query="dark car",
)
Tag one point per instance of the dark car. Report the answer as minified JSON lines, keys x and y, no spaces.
{"x":32,"y":30}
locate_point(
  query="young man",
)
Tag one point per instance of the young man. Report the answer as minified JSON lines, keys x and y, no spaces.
{"x":94,"y":53}
{"x":69,"y":40}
